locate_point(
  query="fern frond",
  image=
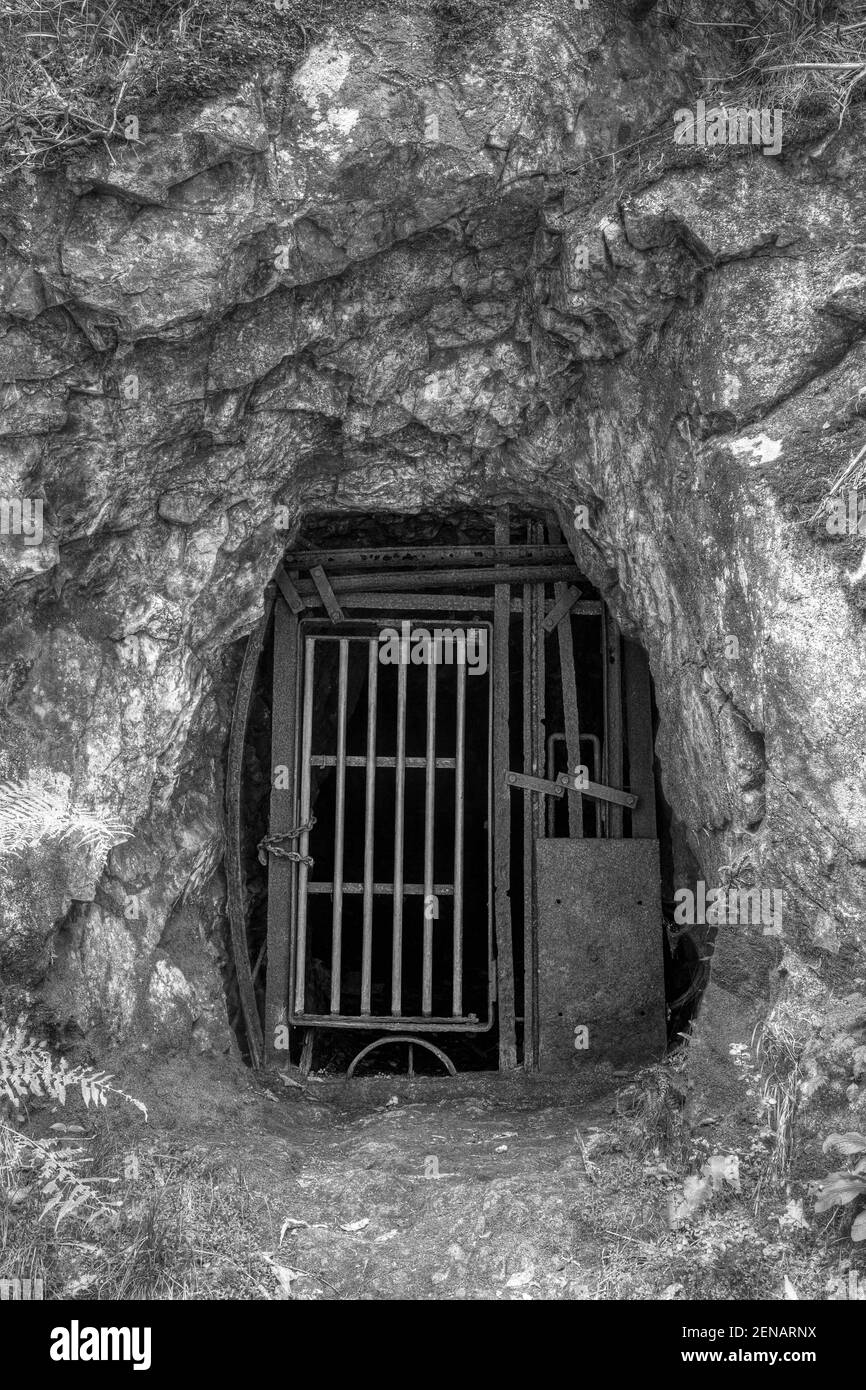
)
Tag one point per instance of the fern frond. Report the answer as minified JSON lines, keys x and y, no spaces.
{"x":27,"y":1068}
{"x":32,"y":814}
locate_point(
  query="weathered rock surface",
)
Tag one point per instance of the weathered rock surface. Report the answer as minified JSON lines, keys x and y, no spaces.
{"x":360,"y":286}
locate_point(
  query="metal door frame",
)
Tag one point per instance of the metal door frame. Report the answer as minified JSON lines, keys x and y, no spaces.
{"x":368,"y":629}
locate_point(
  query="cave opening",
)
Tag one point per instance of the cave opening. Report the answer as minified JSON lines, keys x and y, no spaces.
{"x":445,"y":806}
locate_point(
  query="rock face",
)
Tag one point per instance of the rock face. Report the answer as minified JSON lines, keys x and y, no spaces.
{"x":402,"y":278}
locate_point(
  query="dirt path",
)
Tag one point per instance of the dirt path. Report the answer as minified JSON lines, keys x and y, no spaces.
{"x":471,"y":1187}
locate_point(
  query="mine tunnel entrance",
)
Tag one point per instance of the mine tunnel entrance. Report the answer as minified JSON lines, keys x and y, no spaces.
{"x":455,"y":855}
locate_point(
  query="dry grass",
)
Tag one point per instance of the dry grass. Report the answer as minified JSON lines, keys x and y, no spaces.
{"x":72,"y":70}
{"x":807,"y":57}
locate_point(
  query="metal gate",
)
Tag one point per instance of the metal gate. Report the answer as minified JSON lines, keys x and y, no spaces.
{"x":423,"y":912}
{"x":396,"y":849}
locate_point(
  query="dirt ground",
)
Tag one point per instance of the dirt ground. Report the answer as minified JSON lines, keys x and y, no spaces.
{"x":473,"y":1187}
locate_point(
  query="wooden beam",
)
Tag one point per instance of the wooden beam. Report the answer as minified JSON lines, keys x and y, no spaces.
{"x":406,"y":580}
{"x":613,"y":760}
{"x":288,"y":591}
{"x":502,"y":814}
{"x":426,"y":557}
{"x":569,"y":696}
{"x":562,"y":608}
{"x":439,"y":603}
{"x":326,"y":594}
{"x":281,"y":821}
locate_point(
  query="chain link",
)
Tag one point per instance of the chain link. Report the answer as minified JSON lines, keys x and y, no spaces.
{"x":276,"y":845}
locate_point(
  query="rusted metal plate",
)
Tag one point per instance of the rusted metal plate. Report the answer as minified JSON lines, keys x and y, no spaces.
{"x":600,"y":963}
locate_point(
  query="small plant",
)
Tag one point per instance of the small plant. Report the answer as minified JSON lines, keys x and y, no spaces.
{"x":51,"y":1168}
{"x":33,"y":815}
{"x":845,"y":1184}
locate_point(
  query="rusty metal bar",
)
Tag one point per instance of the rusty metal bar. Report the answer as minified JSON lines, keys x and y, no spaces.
{"x":429,"y":837}
{"x":550,"y":773}
{"x":360,"y":760}
{"x":562,"y":607}
{"x":569,"y":697}
{"x":439,"y":579}
{"x":399,"y":815}
{"x":281,"y":820}
{"x":304,"y":813}
{"x":326,"y":593}
{"x":469,"y":1023}
{"x":440,"y":603}
{"x":502,"y":807}
{"x":539,"y":666}
{"x":426,"y":556}
{"x":529,"y":693}
{"x":524,"y":781}
{"x":614,"y":795}
{"x":459,"y":774}
{"x":369,"y":813}
{"x":288,"y":591}
{"x":442,"y":890}
{"x":612,"y":666}
{"x":339,"y":829}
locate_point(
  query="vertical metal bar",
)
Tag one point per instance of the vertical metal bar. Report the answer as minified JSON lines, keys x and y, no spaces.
{"x":529,"y":644}
{"x":569,"y":701}
{"x":638,"y":710}
{"x":613,"y":719}
{"x":429,"y":834}
{"x":281,"y":820}
{"x":540,"y":726}
{"x":459,"y":774}
{"x":502,"y":810}
{"x":304,"y":813}
{"x":339,"y":828}
{"x":369,"y":814}
{"x":533,"y":815}
{"x":399,"y":815}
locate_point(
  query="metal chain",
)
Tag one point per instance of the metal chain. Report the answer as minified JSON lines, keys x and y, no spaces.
{"x":275,"y":845}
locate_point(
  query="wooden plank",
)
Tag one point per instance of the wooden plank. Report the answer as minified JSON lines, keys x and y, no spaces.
{"x":613,"y":760}
{"x":562,"y":607}
{"x":409,"y":602}
{"x":406,"y":580}
{"x":427,"y":556}
{"x":326,"y":594}
{"x":539,"y":671}
{"x":502,"y":814}
{"x":529,"y":693}
{"x":638,"y":713}
{"x":569,"y":701}
{"x":281,"y":821}
{"x":288,"y":590}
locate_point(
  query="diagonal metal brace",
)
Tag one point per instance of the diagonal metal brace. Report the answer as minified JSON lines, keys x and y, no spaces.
{"x":597,"y":791}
